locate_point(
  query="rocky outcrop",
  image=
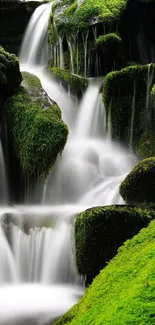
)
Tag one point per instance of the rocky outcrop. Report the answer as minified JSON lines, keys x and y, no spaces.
{"x":14,"y":16}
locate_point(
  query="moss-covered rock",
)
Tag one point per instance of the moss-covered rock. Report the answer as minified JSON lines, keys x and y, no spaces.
{"x":76,"y":84}
{"x":126,"y":96}
{"x":139,"y":185}
{"x":109,"y":42}
{"x":36,"y":131}
{"x":73,"y":16}
{"x":123,"y":293}
{"x":109,"y":48}
{"x":10,"y":76}
{"x":100,"y":231}
{"x":146,"y":145}
{"x":79,"y":24}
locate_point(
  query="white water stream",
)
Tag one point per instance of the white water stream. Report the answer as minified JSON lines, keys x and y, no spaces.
{"x":38,"y":275}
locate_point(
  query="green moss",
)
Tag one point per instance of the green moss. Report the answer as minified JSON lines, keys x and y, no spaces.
{"x":73,"y":16}
{"x":10,"y":76}
{"x":146,"y":145}
{"x":112,"y":44}
{"x":112,"y":39}
{"x":119,"y":88}
{"x":153,"y":93}
{"x":77,"y":85}
{"x":100,"y":231}
{"x":36,"y":130}
{"x":139,"y":185}
{"x":123,"y":293}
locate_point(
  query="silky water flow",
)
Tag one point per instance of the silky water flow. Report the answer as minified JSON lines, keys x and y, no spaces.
{"x":38,"y":275}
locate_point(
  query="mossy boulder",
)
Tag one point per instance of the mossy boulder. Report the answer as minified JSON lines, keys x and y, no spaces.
{"x":123,"y":293}
{"x":36,"y":131}
{"x":76,"y":84}
{"x":109,"y":48}
{"x":100,"y":231}
{"x":127,"y":100}
{"x":72,"y":16}
{"x":79,"y":24}
{"x":110,"y":42}
{"x":139,"y":185}
{"x":10,"y":76}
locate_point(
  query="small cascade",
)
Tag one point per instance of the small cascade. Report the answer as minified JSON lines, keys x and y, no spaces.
{"x":27,"y":255}
{"x":132,"y":118}
{"x":150,"y":75}
{"x":70,"y":48}
{"x":8,"y":268}
{"x":108,"y":127}
{"x":97,"y":59}
{"x":85,"y":43}
{"x":58,"y":58}
{"x":38,"y":54}
{"x":61,"y":52}
{"x":3,"y":187}
{"x":92,"y":123}
{"x":37,"y":258}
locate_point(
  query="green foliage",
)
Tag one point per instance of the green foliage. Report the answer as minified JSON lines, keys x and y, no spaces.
{"x":10,"y":76}
{"x":139,"y":185}
{"x":123,"y":293}
{"x":110,"y":43}
{"x":153,"y":93}
{"x":100,"y":231}
{"x":36,"y":130}
{"x":146,"y":145}
{"x":113,"y":39}
{"x":74,"y":16}
{"x":76,"y":84}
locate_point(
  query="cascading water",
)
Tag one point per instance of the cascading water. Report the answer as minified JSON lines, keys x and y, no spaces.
{"x":3,"y":187}
{"x":37,"y":247}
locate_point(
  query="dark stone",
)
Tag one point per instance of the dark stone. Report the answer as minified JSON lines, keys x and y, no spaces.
{"x":14,"y":17}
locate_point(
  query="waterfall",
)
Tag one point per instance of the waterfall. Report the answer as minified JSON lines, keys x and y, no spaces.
{"x":97,"y":58}
{"x":3,"y":187}
{"x":37,"y":32}
{"x":85,"y":43}
{"x":37,"y":261}
{"x":132,"y":118}
{"x":147,"y":103}
{"x":70,"y":48}
{"x":37,"y":250}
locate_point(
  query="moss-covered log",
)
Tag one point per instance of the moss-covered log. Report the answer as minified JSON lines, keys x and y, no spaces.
{"x":36,"y":131}
{"x":100,"y":231}
{"x":123,"y":293}
{"x":139,"y":185}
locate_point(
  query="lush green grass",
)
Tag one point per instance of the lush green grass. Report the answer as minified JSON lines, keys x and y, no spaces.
{"x":124,"y":292}
{"x":36,"y":131}
{"x":100,"y":231}
{"x":139,"y":185}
